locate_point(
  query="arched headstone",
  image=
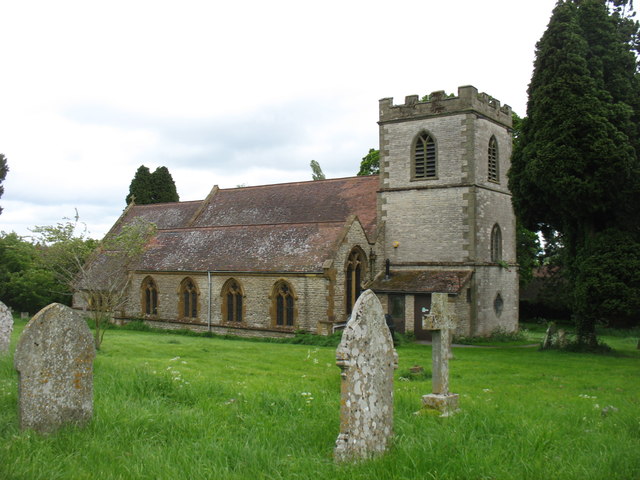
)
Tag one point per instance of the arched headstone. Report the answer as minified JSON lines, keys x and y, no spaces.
{"x":6,"y":327}
{"x":54,"y":359}
{"x":367,"y":359}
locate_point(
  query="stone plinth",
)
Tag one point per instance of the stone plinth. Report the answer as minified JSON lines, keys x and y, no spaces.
{"x":446,"y":404}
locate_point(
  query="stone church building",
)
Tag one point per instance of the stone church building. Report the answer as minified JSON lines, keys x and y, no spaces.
{"x":275,"y":259}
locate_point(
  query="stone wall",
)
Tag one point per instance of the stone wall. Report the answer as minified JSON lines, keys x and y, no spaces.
{"x":495,"y":208}
{"x":428,"y":225}
{"x":489,"y":282}
{"x":309,"y":292}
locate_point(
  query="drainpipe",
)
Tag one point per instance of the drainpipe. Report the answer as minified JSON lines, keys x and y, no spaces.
{"x":209,"y":314}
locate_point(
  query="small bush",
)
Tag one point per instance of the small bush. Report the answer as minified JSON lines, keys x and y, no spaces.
{"x":407,"y":375}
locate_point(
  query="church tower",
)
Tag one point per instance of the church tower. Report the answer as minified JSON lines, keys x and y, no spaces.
{"x":446,"y":209}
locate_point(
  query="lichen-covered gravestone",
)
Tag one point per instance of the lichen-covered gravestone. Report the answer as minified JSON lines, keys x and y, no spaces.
{"x":6,"y":327}
{"x":54,"y":359}
{"x":441,"y":322}
{"x":367,"y":359}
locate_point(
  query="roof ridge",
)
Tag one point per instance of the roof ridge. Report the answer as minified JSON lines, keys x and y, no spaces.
{"x":167,"y":203}
{"x":299,"y":182}
{"x":210,"y":227}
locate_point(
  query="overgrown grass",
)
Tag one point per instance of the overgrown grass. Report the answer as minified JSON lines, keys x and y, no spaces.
{"x":501,"y":337}
{"x":175,"y":406}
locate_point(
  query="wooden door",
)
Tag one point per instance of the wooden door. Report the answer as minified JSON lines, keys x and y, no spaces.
{"x":422,"y":306}
{"x":396,"y":310}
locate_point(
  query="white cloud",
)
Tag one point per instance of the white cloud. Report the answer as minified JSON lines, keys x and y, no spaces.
{"x":229,"y":93}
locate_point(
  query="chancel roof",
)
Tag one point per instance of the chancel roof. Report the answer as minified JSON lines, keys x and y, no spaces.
{"x":303,"y":202}
{"x":291,"y":227}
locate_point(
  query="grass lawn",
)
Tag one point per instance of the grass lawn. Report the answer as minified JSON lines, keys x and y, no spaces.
{"x":177,"y":407}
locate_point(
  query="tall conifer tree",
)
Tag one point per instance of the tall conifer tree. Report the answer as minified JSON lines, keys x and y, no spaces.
{"x":163,"y":187}
{"x":140,"y":188}
{"x":575,"y":169}
{"x":156,"y":187}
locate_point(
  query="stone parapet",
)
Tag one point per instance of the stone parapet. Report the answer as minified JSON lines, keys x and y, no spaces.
{"x":438,"y":103}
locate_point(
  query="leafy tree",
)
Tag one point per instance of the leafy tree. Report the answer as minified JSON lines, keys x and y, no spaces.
{"x":574,"y":168}
{"x":96,"y":272}
{"x":316,"y":171}
{"x":370,"y":164}
{"x":4,"y":168}
{"x":32,"y":289}
{"x":527,"y":252}
{"x":24,"y":284}
{"x":163,"y":188}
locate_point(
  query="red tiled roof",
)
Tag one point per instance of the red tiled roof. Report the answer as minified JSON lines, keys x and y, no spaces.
{"x":302,"y":202}
{"x":291,"y":227}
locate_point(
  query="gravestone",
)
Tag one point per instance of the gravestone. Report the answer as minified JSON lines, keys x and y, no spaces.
{"x":441,"y":322}
{"x":6,"y":327}
{"x":547,"y":342}
{"x":54,"y":360}
{"x":367,"y":359}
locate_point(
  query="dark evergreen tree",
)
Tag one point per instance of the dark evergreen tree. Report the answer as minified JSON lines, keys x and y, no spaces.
{"x":163,"y":188}
{"x":156,"y":187}
{"x":140,"y":189}
{"x":4,"y":168}
{"x":575,"y":168}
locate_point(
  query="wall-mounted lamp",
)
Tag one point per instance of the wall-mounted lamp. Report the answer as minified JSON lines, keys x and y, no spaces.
{"x":395,"y":244}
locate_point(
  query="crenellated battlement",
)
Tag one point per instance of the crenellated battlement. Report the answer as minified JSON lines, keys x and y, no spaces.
{"x":438,"y":103}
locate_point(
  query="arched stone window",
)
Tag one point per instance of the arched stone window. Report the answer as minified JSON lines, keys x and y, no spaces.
{"x":149,"y":297}
{"x":188,"y":302}
{"x":492,"y":158}
{"x":283,"y":305}
{"x":496,"y":243}
{"x":232,"y":297}
{"x":354,"y":274}
{"x":424,"y":163}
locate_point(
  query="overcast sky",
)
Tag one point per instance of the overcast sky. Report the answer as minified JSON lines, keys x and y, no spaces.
{"x":227,"y":93}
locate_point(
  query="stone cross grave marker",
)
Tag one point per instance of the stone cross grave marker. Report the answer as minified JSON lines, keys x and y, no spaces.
{"x":441,"y":322}
{"x":367,"y":359}
{"x":6,"y":327}
{"x":54,"y":360}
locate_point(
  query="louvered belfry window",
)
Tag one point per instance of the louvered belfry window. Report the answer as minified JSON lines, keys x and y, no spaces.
{"x":492,"y":155}
{"x":424,"y":157}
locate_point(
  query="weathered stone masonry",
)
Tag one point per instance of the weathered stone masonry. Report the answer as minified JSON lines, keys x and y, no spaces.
{"x":436,"y":231}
